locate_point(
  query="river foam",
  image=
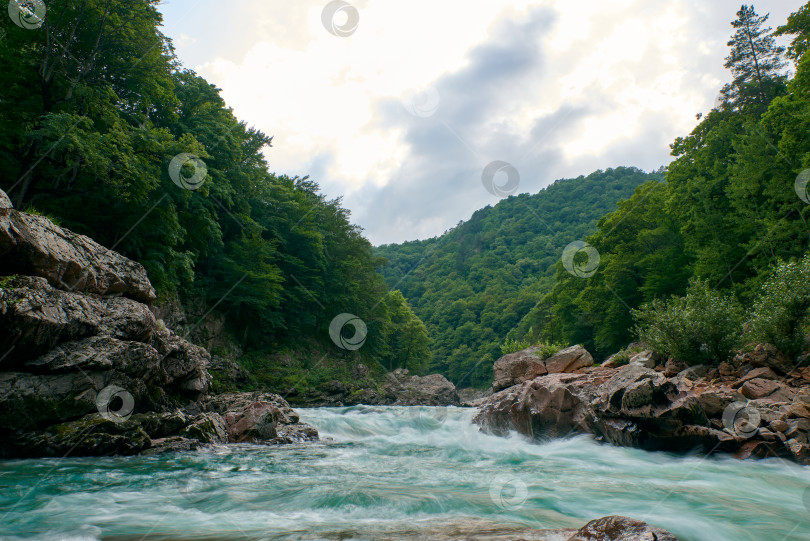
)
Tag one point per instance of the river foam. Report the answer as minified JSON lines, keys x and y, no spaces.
{"x":399,"y":473}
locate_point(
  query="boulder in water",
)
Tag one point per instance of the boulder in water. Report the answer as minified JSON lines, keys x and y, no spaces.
{"x":616,"y":528}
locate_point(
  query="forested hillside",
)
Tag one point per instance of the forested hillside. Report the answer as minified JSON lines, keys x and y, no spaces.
{"x":119,"y":142}
{"x":724,"y":213}
{"x":733,"y":206}
{"x":475,"y":283}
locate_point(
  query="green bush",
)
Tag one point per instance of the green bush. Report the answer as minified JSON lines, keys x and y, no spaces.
{"x":781,"y":314}
{"x":705,"y":326}
{"x":623,"y":357}
{"x":545,"y":350}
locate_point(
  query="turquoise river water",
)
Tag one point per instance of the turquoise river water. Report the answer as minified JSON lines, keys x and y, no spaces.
{"x":398,"y":473}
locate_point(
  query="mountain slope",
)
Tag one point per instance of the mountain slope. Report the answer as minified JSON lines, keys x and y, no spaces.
{"x":475,"y":283}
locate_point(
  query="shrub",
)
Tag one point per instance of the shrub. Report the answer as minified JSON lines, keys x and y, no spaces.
{"x":545,"y":350}
{"x":705,"y":326}
{"x":780,"y":315}
{"x":623,"y":357}
{"x":511,"y":346}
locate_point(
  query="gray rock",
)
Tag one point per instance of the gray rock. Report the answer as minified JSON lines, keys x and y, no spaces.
{"x":647,"y":359}
{"x":5,"y":202}
{"x":33,"y":246}
{"x":36,"y":318}
{"x":695,"y":372}
{"x":431,"y":390}
{"x":91,"y":435}
{"x":208,"y":427}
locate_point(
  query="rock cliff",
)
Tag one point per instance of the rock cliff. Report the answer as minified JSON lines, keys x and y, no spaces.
{"x":86,"y":369}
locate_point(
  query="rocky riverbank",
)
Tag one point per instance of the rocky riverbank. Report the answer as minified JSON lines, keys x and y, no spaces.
{"x":758,"y":405}
{"x":87,"y":369}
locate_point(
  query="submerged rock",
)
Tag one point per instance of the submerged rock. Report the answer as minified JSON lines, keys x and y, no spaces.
{"x":616,"y":528}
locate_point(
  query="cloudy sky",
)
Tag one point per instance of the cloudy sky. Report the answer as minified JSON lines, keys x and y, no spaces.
{"x":399,"y":106}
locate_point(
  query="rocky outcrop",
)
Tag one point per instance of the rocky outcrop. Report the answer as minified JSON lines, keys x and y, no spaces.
{"x":753,"y":410}
{"x":33,"y":246}
{"x":528,"y":364}
{"x":85,"y":368}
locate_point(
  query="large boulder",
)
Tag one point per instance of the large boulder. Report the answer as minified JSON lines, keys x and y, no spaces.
{"x":548,"y":406}
{"x":430,"y":390}
{"x":86,"y":369}
{"x":92,"y":435}
{"x":259,"y":417}
{"x":515,"y":368}
{"x":37,"y":317}
{"x":33,"y":246}
{"x":616,"y":528}
{"x":525,"y":365}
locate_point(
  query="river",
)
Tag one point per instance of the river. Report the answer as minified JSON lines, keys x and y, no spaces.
{"x":398,"y":473}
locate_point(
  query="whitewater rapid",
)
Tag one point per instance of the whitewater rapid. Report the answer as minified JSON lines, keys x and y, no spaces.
{"x":399,"y":473}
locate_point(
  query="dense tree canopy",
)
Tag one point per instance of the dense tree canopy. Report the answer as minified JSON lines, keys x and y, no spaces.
{"x":725,"y":211}
{"x":476,"y":283}
{"x":93,"y":111}
{"x":732,"y":205}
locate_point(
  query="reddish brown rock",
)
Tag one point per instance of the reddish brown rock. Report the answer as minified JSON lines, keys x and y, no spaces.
{"x":635,"y":406}
{"x":764,"y":388}
{"x":765,"y":355}
{"x":673,"y":367}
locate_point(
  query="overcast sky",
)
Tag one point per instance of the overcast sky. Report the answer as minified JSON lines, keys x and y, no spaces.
{"x":401,"y":112}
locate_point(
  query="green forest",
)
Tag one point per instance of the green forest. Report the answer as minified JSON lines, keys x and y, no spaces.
{"x":730,"y":207}
{"x":479,"y":281}
{"x":120,"y":142}
{"x":93,"y":149}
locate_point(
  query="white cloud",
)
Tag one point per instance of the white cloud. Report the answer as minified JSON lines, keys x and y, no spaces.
{"x":620,"y":70}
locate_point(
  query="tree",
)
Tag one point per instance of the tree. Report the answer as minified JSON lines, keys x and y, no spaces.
{"x":755,"y":62}
{"x":798,"y":25}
